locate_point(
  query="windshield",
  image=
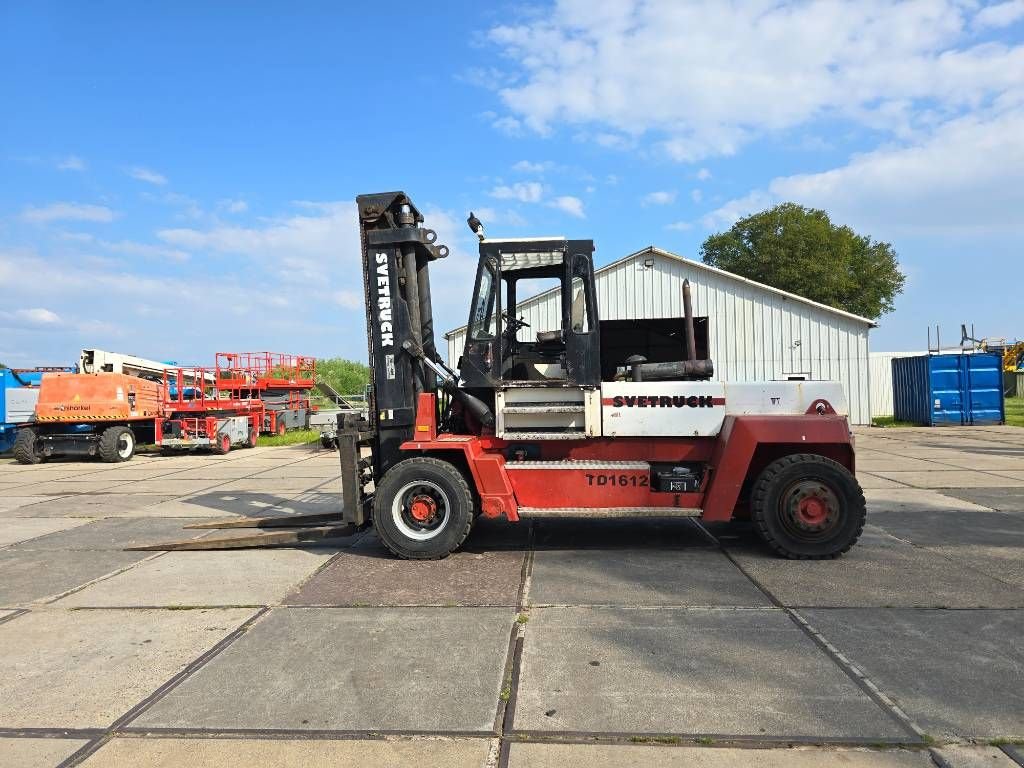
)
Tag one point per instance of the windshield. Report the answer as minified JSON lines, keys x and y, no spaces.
{"x":482,"y":322}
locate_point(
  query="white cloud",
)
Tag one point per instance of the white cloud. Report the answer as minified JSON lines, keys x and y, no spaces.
{"x":999,"y":15}
{"x":38,"y":316}
{"x":525,"y":166}
{"x":233,"y":206}
{"x":663,"y":197}
{"x":703,"y":174}
{"x":146,"y":175}
{"x":523,"y":191}
{"x":704,"y":78}
{"x":967,"y":178}
{"x":67,"y":212}
{"x":146,"y":250}
{"x":297,"y":247}
{"x":569,"y":204}
{"x":347,"y":299}
{"x":508,"y":125}
{"x":679,"y":226}
{"x":71,"y":163}
{"x":492,"y":216}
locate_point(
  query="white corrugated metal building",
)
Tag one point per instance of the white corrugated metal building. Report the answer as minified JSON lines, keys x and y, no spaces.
{"x":755,"y":332}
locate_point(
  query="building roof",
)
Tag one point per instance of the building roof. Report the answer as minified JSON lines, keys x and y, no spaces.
{"x":661,"y":253}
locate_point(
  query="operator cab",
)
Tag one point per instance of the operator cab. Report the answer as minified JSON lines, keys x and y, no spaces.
{"x":507,"y":345}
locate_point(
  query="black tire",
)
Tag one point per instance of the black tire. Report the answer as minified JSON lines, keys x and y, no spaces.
{"x":328,"y":442}
{"x":254,"y":438}
{"x":423,"y":481}
{"x":807,"y":507}
{"x":28,"y":448}
{"x":221,"y":444}
{"x":117,"y":444}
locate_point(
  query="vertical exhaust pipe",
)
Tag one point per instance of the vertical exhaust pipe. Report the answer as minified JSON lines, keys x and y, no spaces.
{"x":691,"y":343}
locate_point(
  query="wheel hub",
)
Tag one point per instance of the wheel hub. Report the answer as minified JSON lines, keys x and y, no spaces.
{"x":812,"y":507}
{"x":422,"y":508}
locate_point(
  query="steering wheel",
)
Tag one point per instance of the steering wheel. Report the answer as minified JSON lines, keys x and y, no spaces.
{"x":514,"y":324}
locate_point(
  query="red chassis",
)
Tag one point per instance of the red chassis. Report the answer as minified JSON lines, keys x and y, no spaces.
{"x":744,"y":446}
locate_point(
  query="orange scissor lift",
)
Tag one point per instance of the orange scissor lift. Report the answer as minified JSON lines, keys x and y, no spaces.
{"x":282,"y":382}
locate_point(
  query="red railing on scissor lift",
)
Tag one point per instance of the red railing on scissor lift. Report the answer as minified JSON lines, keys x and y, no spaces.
{"x":198,"y":390}
{"x":266,"y":370}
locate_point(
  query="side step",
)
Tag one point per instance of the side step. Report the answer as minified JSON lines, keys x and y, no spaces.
{"x":569,"y":464}
{"x":544,"y":408}
{"x":580,"y":513}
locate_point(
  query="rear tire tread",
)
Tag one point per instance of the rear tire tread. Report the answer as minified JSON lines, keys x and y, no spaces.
{"x":108,"y":449}
{"x":24,"y":447}
{"x":764,"y":485}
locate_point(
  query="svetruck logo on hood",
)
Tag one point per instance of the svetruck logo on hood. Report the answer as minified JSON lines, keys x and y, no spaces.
{"x":387,"y":334}
{"x":665,"y":401}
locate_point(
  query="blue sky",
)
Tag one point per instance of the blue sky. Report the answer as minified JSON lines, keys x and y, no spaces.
{"x":177,"y":178}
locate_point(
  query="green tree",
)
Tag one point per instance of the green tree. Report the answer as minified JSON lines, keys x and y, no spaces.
{"x":800,"y":250}
{"x":348,"y":377}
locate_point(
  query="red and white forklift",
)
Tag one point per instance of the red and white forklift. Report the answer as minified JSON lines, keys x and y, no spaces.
{"x":566,"y":423}
{"x":573,"y":421}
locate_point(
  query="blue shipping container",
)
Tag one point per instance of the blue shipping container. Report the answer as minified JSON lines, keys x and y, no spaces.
{"x":948,"y":390}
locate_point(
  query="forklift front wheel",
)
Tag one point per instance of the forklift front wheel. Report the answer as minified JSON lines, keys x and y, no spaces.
{"x":423,"y":509}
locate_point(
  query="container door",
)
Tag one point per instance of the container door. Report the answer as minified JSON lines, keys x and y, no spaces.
{"x":983,"y":394}
{"x":947,"y":386}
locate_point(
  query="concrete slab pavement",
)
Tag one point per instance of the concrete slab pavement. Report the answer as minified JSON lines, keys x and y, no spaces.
{"x":972,"y":756}
{"x":921,"y":500}
{"x":37,"y":753}
{"x":112,"y":534}
{"x":91,"y":505}
{"x":689,"y":577}
{"x":1000,"y":499}
{"x":879,"y":571}
{"x":654,"y":756}
{"x":956,"y":673}
{"x":737,"y":672}
{"x":205,"y":579}
{"x":15,"y":529}
{"x":952,"y":528}
{"x":84,"y":669}
{"x":285,"y":753}
{"x":950,"y":478}
{"x":30,"y":575}
{"x":412,"y":669}
{"x":374,"y":577}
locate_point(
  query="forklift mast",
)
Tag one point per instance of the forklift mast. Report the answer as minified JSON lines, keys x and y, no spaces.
{"x":396,"y":254}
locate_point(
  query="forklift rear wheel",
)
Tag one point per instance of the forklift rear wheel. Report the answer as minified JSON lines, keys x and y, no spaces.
{"x":117,"y":444}
{"x":808,"y":507}
{"x":28,"y":447}
{"x":423,"y":509}
{"x":222,"y":445}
